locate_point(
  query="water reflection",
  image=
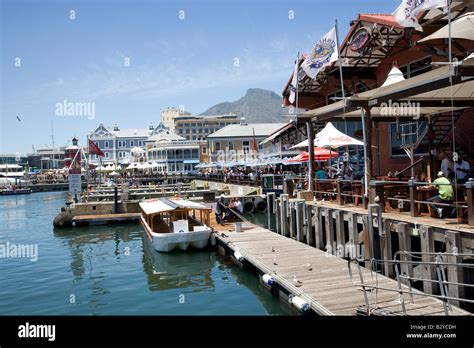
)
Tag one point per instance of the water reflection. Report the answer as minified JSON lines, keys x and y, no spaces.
{"x":177,"y":270}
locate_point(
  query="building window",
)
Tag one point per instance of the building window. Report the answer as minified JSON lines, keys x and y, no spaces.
{"x":218,"y":145}
{"x":416,"y":68}
{"x":187,"y":131}
{"x":396,"y":140}
{"x":231,"y":145}
{"x":106,"y":154}
{"x":246,"y":146}
{"x":132,"y":143}
{"x":204,"y":150}
{"x":106,"y":144}
{"x":194,"y":137}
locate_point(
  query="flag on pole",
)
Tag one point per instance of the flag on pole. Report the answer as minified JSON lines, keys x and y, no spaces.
{"x":408,"y":10}
{"x":94,"y":149}
{"x":322,"y":54}
{"x":294,"y":83}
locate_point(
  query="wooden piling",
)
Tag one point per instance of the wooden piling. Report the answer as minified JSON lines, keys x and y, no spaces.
{"x":319,"y":230}
{"x":386,"y":248}
{"x":329,"y":228}
{"x":278,"y":215}
{"x":455,"y":273}
{"x":429,"y":271}
{"x":284,"y":215}
{"x":340,"y":235}
{"x":292,"y":219}
{"x":309,"y":232}
{"x":404,"y":242}
{"x":300,"y":223}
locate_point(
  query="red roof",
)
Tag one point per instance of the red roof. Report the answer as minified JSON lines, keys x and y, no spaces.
{"x":385,"y":19}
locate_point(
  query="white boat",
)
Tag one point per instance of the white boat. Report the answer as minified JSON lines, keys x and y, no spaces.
{"x":172,"y":223}
{"x":11,"y":174}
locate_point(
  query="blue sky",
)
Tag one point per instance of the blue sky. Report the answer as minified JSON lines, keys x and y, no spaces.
{"x":173,"y":61}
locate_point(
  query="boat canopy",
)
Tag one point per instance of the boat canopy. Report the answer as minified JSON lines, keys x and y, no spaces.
{"x":161,"y":205}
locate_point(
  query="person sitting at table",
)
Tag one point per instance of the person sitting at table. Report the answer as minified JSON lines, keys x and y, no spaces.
{"x":321,"y":173}
{"x":445,"y":194}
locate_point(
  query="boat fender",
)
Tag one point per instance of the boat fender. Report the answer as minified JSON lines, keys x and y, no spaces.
{"x":267,"y":279}
{"x":299,"y":303}
{"x":213,"y":239}
{"x":248,"y":207}
{"x":239,"y":256}
{"x":63,"y":219}
{"x":261,"y":206}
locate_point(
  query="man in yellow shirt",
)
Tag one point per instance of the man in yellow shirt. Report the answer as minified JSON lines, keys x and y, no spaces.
{"x":445,"y":194}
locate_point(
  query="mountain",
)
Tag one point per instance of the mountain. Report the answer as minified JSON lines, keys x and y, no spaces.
{"x":257,"y":106}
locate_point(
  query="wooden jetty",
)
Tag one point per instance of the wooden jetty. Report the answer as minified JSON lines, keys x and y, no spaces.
{"x":320,"y":279}
{"x":105,"y":218}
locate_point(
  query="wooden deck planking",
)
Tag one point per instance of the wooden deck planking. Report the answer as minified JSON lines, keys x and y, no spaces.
{"x":327,"y":287}
{"x":106,"y":217}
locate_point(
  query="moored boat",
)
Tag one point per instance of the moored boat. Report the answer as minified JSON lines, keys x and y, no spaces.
{"x":15,"y":191}
{"x":172,"y":223}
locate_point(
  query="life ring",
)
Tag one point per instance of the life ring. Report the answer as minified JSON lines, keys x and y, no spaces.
{"x":261,"y":206}
{"x":248,"y":207}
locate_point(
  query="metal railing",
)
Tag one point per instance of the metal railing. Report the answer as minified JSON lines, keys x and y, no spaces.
{"x":404,"y":288}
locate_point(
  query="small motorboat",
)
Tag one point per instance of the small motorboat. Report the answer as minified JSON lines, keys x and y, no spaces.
{"x":175,"y":223}
{"x":15,"y":191}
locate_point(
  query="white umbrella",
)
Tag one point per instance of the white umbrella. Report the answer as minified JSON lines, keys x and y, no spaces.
{"x":330,"y":136}
{"x":461,"y":28}
{"x":114,"y":173}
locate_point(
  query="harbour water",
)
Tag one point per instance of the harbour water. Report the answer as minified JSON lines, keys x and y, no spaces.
{"x":112,"y":270}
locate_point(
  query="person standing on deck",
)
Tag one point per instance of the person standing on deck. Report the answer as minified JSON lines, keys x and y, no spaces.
{"x":445,"y":194}
{"x":221,"y":209}
{"x":462,"y":170}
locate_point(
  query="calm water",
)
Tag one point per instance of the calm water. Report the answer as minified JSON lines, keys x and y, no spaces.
{"x":113,"y":270}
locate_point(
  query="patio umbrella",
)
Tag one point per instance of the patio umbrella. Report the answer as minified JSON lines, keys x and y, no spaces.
{"x":461,"y":28}
{"x":330,"y":136}
{"x":320,"y":154}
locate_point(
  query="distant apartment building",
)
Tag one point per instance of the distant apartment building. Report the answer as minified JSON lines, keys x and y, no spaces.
{"x":199,"y":127}
{"x":241,"y":140}
{"x":169,"y":114}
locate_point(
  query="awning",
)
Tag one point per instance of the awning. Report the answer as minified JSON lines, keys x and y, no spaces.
{"x":154,"y":206}
{"x":461,"y":28}
{"x":332,"y":137}
{"x":192,"y":161}
{"x":275,"y":134}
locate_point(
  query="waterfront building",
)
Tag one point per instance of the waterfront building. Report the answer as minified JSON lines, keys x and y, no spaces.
{"x":13,"y":158}
{"x":432,"y":130}
{"x":117,"y":143}
{"x":239,"y":141}
{"x":172,"y":152}
{"x":47,"y":158}
{"x":199,"y":127}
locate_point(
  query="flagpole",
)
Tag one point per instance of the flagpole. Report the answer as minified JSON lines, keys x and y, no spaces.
{"x":449,"y":33}
{"x":341,"y":77}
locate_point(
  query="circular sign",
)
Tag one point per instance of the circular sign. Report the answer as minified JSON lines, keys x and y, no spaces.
{"x":359,"y":39}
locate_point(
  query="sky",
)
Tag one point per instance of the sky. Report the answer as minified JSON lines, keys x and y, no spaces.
{"x":125,"y":61}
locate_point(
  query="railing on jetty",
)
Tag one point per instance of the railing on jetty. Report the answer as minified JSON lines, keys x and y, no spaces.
{"x":403,"y":196}
{"x":439,"y":264}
